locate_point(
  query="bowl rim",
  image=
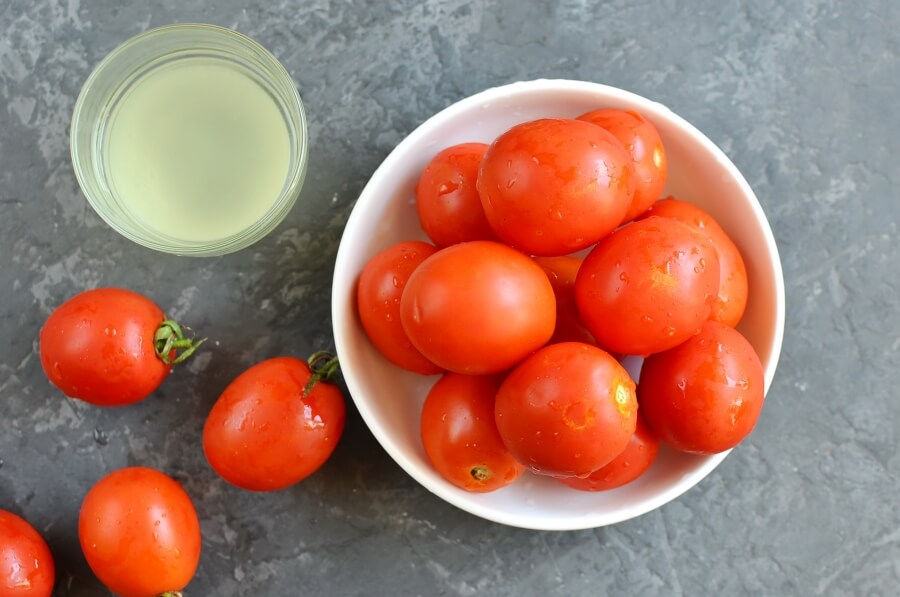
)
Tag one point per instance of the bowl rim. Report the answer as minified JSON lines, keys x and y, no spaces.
{"x":341,"y":326}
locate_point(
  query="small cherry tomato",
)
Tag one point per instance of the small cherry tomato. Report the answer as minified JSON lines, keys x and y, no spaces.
{"x":731,"y":300}
{"x":378,"y":293}
{"x":460,"y":436}
{"x":561,"y":271}
{"x":566,"y":410}
{"x":446,"y":198}
{"x":704,"y":395}
{"x":140,"y":534}
{"x":642,"y":141}
{"x":648,"y":286}
{"x":26,"y":564}
{"x":478,"y":307}
{"x":110,"y":347}
{"x":554,"y":186}
{"x":276,"y":423}
{"x":633,"y":462}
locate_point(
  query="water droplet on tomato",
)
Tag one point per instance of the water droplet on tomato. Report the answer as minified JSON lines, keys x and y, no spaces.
{"x":389,"y":317}
{"x":647,"y":319}
{"x":623,"y":276}
{"x":670,"y":331}
{"x":396,"y":282}
{"x":511,"y":182}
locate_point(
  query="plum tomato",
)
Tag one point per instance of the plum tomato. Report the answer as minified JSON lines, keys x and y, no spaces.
{"x":460,"y":436}
{"x":140,"y":533}
{"x":478,"y":307}
{"x":111,"y":346}
{"x":276,"y":423}
{"x":378,"y":293}
{"x":554,"y":186}
{"x":642,"y":141}
{"x":731,"y":300}
{"x":648,"y":286}
{"x":561,"y":271}
{"x":26,"y":564}
{"x":705,"y":395}
{"x":446,"y":198}
{"x":566,"y":410}
{"x":633,"y":462}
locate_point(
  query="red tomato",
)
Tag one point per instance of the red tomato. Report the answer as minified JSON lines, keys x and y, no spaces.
{"x":139,"y":532}
{"x":447,"y":200}
{"x":639,"y":454}
{"x":732,"y":296}
{"x":566,"y":410}
{"x":26,"y":564}
{"x":553,"y":186}
{"x":705,"y":395}
{"x":110,"y":347}
{"x":461,"y":437}
{"x":642,"y":141}
{"x":378,"y":295}
{"x":276,"y":423}
{"x":648,"y":286}
{"x":561,"y":271}
{"x":478,"y":307}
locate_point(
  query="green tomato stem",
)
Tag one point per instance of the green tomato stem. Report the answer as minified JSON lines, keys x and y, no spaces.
{"x":323,"y":365}
{"x":170,"y":336}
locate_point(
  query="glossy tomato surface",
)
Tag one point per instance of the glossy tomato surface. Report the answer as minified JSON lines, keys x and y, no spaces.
{"x":642,"y":141}
{"x":566,"y":410}
{"x":704,"y":395}
{"x":647,"y":287}
{"x":447,"y":199}
{"x":267,"y":432}
{"x":460,"y":436}
{"x":562,"y":271}
{"x":99,"y":347}
{"x":26,"y":564}
{"x":633,"y":462}
{"x":731,"y":299}
{"x":140,"y":533}
{"x":378,"y":294}
{"x":554,"y":186}
{"x":478,"y":307}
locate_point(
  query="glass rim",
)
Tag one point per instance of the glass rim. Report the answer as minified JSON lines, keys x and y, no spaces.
{"x":281,"y":85}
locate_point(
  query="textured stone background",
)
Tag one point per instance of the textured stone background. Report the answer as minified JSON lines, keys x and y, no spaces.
{"x":803,"y":97}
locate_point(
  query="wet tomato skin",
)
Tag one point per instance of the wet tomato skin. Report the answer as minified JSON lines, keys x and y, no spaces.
{"x":26,"y":564}
{"x":648,"y":287}
{"x":566,"y":410}
{"x":460,"y":435}
{"x":378,"y":294}
{"x":705,"y":395}
{"x":633,"y":462}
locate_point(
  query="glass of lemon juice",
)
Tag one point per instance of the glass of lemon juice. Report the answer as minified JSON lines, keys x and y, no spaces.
{"x":190,"y":139}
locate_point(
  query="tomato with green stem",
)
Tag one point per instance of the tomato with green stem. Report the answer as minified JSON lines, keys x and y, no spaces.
{"x":276,"y":423}
{"x":140,"y":534}
{"x":26,"y":564}
{"x":111,"y":347}
{"x":460,"y":436}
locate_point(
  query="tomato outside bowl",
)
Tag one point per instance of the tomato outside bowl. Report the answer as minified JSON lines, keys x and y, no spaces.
{"x":390,"y":399}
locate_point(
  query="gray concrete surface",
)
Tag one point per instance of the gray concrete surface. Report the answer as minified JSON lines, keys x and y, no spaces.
{"x":803,"y":97}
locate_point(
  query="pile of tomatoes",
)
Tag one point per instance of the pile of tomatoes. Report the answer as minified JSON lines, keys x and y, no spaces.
{"x":273,"y":426}
{"x":528,"y":336}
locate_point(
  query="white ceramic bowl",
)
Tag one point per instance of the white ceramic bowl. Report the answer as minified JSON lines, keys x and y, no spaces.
{"x":390,"y":399}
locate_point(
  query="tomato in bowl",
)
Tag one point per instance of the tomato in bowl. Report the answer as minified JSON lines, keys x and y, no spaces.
{"x":390,"y":399}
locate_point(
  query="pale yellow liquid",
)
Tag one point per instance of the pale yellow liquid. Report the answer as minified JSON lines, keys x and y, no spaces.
{"x":197,"y":150}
